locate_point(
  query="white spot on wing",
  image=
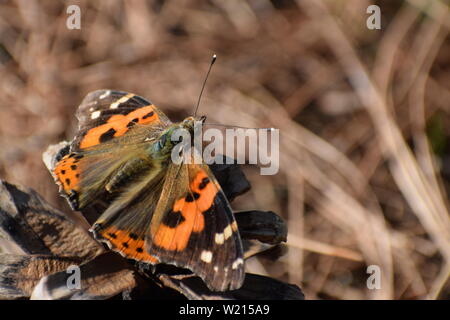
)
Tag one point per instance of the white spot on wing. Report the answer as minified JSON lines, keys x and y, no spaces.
{"x":219,"y":238}
{"x":95,"y":114}
{"x":116,"y":104}
{"x":206,"y":256}
{"x":236,"y":263}
{"x":227,"y":232}
{"x":107,"y":93}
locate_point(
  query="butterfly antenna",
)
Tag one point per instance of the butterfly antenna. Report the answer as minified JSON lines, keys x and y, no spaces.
{"x":204,"y":83}
{"x":232,"y":126}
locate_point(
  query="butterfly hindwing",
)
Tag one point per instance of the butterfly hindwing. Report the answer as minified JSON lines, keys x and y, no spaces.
{"x":123,"y":225}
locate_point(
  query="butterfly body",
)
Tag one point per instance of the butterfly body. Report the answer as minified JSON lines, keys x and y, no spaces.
{"x":154,"y":160}
{"x":160,"y":211}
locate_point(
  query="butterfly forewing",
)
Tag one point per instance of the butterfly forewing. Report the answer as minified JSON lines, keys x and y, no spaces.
{"x":195,"y":228}
{"x":107,"y":114}
{"x":114,"y":127}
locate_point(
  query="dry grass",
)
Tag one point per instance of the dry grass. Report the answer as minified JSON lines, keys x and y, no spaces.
{"x":364,"y":117}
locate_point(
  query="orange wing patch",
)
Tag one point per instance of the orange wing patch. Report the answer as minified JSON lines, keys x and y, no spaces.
{"x":117,"y":125}
{"x":206,"y":188}
{"x":67,"y":172}
{"x":186,"y":216}
{"x":129,"y":244}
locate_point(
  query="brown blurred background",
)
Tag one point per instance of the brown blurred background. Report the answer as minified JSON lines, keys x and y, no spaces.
{"x":364,"y":117}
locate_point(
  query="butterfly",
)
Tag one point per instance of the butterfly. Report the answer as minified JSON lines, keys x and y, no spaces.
{"x":160,"y":211}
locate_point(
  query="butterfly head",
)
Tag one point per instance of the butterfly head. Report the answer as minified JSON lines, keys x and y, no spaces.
{"x":173,"y":135}
{"x":190,"y":122}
